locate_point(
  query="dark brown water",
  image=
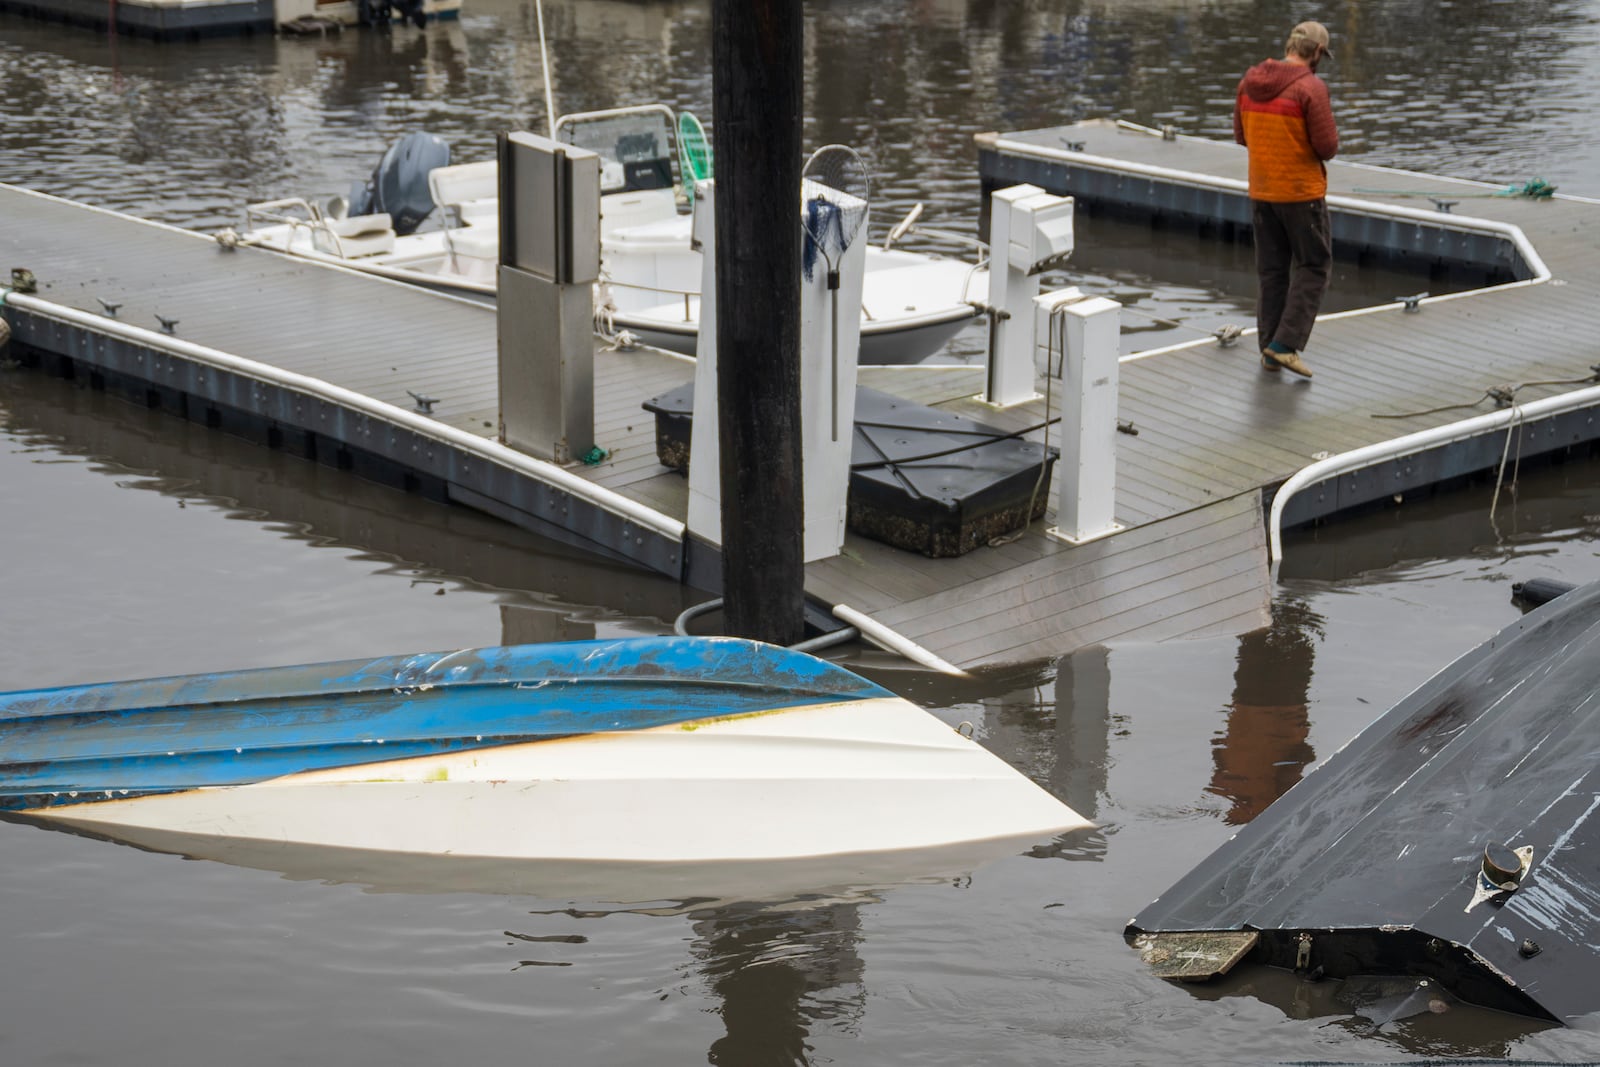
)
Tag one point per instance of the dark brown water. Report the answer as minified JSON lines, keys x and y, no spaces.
{"x":133,"y":544}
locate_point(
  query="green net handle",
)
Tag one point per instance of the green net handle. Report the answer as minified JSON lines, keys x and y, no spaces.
{"x":694,"y":153}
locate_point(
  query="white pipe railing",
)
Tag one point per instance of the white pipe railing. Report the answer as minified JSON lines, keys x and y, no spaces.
{"x":1357,"y":459}
{"x":492,"y":451}
{"x":888,"y":639}
{"x":1354,"y":460}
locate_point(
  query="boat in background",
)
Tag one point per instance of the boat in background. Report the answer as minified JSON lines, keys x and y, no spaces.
{"x":646,"y":751}
{"x":913,"y":303}
{"x":310,"y":16}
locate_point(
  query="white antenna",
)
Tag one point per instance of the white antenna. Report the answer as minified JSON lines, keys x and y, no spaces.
{"x":544,"y":64}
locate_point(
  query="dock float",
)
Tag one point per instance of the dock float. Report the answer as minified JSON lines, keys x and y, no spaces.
{"x":161,"y":20}
{"x":1410,"y":395}
{"x":329,"y":363}
{"x":187,"y":20}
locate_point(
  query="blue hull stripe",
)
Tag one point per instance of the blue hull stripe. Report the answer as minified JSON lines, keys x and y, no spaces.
{"x":167,"y":734}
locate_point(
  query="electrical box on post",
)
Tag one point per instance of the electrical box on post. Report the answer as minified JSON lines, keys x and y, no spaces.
{"x":549,"y":208}
{"x":1087,"y":334}
{"x":1041,"y":233}
{"x":549,"y":260}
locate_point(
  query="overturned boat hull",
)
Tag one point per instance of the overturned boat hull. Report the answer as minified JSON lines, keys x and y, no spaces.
{"x":1455,"y":840}
{"x":669,"y":750}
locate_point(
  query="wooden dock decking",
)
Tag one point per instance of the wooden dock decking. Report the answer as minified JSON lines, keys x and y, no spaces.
{"x":1433,"y":366}
{"x":1216,"y":435}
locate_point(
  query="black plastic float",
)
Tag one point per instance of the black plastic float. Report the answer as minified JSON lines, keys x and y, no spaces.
{"x":921,"y":479}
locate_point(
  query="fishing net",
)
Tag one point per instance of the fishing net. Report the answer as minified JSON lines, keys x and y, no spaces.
{"x":694,"y":153}
{"x":835,"y":190}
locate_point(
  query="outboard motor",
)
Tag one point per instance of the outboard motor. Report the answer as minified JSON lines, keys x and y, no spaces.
{"x":412,"y":10}
{"x":381,"y":12}
{"x":399,"y":183}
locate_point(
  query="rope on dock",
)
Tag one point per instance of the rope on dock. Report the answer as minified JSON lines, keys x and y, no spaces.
{"x":1511,"y":433}
{"x":5,"y":327}
{"x":1225,"y":335}
{"x":1411,"y":444}
{"x":1057,"y":331}
{"x":1502,"y":395}
{"x":1532,"y":189}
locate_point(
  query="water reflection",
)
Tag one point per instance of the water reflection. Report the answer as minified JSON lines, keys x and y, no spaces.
{"x":190,"y":136}
{"x":797,"y":885}
{"x":1458,"y":524}
{"x":190,"y":133}
{"x":780,"y":976}
{"x":1390,"y":1012}
{"x":1050,"y":720}
{"x":1082,"y":742}
{"x":546,"y":590}
{"x":1263,"y":748}
{"x":1500,"y":94}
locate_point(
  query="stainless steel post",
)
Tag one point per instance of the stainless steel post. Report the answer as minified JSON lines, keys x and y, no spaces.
{"x":549,"y":261}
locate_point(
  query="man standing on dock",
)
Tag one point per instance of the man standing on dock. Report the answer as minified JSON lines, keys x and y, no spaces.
{"x":1283,"y":116}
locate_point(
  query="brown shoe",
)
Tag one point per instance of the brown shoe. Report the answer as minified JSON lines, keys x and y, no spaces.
{"x":1289,"y":361}
{"x":1267,"y":362}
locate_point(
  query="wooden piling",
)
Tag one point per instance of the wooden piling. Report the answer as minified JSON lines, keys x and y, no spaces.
{"x":757,"y":102}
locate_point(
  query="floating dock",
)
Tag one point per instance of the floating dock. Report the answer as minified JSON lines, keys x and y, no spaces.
{"x":161,"y":20}
{"x":1408,"y":395}
{"x":183,"y":20}
{"x":325,"y":362}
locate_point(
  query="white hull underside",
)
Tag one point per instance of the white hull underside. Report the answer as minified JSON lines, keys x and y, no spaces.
{"x":871,"y":776}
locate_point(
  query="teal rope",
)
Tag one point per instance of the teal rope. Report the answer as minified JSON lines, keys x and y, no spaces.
{"x":1532,"y":189}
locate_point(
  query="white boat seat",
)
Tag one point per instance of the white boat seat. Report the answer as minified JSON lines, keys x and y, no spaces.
{"x":641,"y":208}
{"x":473,"y":254}
{"x":484,"y":213}
{"x":472,"y":189}
{"x":359,"y":235}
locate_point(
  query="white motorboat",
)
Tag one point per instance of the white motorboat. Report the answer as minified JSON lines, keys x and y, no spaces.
{"x":913,"y":303}
{"x":674,"y":750}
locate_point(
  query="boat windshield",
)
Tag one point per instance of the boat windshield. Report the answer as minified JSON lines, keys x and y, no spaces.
{"x":635,"y":145}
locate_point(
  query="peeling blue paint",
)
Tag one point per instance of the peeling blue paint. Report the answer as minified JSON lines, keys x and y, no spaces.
{"x":76,"y":744}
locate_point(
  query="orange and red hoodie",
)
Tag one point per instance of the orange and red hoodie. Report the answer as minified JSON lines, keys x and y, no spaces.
{"x":1283,"y":115}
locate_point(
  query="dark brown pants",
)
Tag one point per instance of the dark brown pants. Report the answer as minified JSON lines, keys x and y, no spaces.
{"x":1294,"y":259}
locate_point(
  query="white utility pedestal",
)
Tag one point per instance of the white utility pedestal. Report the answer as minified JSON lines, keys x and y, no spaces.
{"x":1030,"y":231}
{"x":828,"y":362}
{"x":1090,"y":330}
{"x":705,"y":450}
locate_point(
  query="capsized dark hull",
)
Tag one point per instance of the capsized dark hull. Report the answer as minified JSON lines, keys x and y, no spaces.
{"x":1376,"y":862}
